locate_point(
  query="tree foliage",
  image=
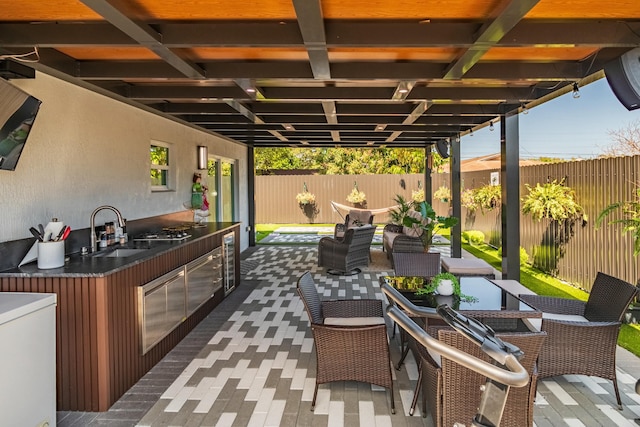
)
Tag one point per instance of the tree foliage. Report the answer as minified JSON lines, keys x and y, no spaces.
{"x":341,"y":161}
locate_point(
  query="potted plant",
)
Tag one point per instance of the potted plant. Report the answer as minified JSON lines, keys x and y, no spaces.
{"x":468,"y":199}
{"x":488,"y":197}
{"x":429,"y":223}
{"x":305,"y":198}
{"x":357,"y":197}
{"x":556,"y":202}
{"x":397,"y":214}
{"x":443,"y":194}
{"x":307,"y":203}
{"x":417,"y":195}
{"x":553,"y":200}
{"x":444,"y":284}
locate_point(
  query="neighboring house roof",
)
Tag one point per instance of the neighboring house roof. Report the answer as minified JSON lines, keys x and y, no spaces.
{"x":490,"y":161}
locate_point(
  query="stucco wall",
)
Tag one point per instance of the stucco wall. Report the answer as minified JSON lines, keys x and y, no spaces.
{"x":86,"y":149}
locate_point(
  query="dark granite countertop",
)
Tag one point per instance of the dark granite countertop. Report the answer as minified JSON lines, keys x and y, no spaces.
{"x":98,"y":265}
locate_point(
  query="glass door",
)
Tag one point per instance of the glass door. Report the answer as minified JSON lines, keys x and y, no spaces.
{"x":226,"y":194}
{"x":213,"y":167}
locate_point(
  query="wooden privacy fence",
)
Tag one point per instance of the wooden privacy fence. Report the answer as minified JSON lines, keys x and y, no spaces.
{"x":574,"y":254}
{"x":276,"y":203}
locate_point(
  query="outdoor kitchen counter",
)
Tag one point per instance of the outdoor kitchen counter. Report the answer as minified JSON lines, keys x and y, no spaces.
{"x":90,"y":265}
{"x":101,"y":340}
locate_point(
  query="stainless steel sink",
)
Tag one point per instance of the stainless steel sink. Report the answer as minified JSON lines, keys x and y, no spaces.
{"x":119,"y":253}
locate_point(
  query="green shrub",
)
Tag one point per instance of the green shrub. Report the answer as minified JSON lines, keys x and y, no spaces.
{"x":524,"y":256}
{"x":473,"y":237}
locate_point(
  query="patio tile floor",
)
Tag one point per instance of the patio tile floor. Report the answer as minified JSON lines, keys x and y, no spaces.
{"x":251,"y":363}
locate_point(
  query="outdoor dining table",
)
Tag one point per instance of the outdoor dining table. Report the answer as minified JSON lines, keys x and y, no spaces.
{"x":486,"y":302}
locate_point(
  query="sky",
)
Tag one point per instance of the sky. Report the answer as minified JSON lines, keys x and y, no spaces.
{"x":563,"y":128}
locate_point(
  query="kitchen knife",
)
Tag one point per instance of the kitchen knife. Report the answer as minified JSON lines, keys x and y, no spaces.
{"x":66,"y":232}
{"x":36,"y":233}
{"x":59,"y":236}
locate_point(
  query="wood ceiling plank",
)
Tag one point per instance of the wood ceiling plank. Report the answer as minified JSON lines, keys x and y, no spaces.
{"x":533,"y":54}
{"x":109,"y":53}
{"x":220,"y":9}
{"x":585,"y":9}
{"x":408,"y":9}
{"x":35,"y":10}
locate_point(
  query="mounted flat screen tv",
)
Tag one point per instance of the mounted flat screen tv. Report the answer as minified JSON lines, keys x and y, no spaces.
{"x":18,"y":111}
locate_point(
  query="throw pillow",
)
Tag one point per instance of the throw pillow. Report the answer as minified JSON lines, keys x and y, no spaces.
{"x":415,"y":230}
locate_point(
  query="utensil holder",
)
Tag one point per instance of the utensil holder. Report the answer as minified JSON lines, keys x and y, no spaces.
{"x":50,"y":254}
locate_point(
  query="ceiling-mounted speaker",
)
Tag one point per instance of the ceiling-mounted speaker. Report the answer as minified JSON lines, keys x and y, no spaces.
{"x":623,"y":76}
{"x":442,"y":148}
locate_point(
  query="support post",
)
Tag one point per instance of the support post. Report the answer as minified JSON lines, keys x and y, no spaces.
{"x":251,"y":189}
{"x":456,"y":207}
{"x":510,"y":182}
{"x":428,"y":167}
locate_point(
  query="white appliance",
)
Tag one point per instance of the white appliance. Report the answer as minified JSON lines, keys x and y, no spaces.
{"x":27,"y":359}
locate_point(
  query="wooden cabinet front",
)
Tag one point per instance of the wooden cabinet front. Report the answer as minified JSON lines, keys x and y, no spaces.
{"x":98,"y":350}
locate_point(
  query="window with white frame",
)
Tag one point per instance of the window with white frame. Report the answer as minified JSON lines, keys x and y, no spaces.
{"x":160,"y":166}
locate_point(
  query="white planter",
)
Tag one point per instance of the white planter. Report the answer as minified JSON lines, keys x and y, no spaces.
{"x":445,"y":287}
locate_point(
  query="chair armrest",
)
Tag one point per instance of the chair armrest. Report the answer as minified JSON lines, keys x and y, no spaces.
{"x":555,"y":305}
{"x":331,"y":243}
{"x":393,"y":228}
{"x":352,"y":308}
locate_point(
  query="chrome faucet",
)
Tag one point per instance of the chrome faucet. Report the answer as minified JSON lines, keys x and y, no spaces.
{"x":92,"y":222}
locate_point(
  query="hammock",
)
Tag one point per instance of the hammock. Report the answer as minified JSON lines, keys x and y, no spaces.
{"x":337,"y":206}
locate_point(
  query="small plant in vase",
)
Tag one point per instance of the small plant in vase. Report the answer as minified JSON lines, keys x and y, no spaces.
{"x":445,"y":284}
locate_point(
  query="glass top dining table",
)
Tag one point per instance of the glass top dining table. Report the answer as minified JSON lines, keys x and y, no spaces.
{"x":488,"y":302}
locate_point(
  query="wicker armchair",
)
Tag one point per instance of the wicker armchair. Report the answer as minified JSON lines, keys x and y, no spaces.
{"x":344,"y":256}
{"x":394,"y":240}
{"x":451,"y":392}
{"x":583,"y":336}
{"x":350,"y":339}
{"x":353,"y":219}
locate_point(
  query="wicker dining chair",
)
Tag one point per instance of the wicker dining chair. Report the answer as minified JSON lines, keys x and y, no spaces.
{"x":350,"y":338}
{"x":422,"y":264}
{"x":451,"y":392}
{"x":583,"y":335}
